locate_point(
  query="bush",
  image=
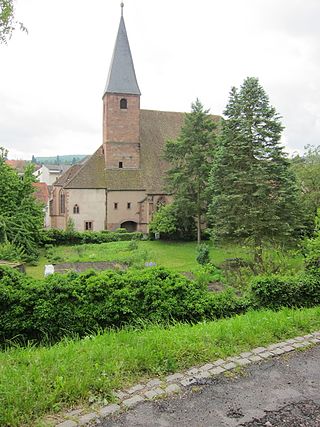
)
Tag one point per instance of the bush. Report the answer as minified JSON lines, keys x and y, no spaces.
{"x":77,"y":304}
{"x":70,"y":237}
{"x":225,"y":304}
{"x":311,"y":251}
{"x":203,"y":254}
{"x":208,"y":273}
{"x":275,"y":291}
{"x":10,"y":252}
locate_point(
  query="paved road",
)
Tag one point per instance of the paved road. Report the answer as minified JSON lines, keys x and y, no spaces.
{"x":280,"y":392}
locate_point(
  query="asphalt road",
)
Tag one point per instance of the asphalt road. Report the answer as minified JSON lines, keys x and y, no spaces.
{"x":280,"y":392}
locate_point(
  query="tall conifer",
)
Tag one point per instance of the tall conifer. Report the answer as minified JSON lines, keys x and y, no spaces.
{"x":190,"y":157}
{"x":254,"y":193}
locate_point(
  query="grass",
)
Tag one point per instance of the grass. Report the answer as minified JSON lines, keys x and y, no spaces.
{"x":179,"y":256}
{"x":35,"y":382}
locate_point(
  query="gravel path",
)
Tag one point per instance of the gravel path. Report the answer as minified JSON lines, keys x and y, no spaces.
{"x":279,"y":392}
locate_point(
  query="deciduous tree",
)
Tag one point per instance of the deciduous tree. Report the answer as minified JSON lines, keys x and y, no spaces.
{"x":307,"y":171}
{"x":21,"y":216}
{"x":8,"y":23}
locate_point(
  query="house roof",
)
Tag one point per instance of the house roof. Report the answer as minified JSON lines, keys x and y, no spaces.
{"x":57,"y":168}
{"x":156,"y":127}
{"x":41,"y":192}
{"x":19,"y":165}
{"x":122,"y":76}
{"x":67,"y":175}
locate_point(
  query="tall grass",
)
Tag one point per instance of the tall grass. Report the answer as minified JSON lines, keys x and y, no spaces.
{"x":38,"y":381}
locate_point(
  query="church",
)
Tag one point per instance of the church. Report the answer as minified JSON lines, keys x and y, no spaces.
{"x":122,"y":183}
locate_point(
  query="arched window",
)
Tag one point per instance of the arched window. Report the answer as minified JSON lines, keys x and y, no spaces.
{"x":123,"y":104}
{"x":62,"y":203}
{"x":76,"y":209}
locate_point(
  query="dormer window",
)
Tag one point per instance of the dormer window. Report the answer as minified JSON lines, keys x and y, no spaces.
{"x":123,"y":104}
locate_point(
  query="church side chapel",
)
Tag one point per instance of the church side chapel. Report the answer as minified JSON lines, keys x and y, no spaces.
{"x":122,"y":183}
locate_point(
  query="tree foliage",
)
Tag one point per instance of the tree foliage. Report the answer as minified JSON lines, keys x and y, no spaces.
{"x":21,"y":216}
{"x":8,"y":23}
{"x":307,"y":171}
{"x":190,"y":157}
{"x":164,"y":220}
{"x":255,"y":197}
{"x":172,"y":223}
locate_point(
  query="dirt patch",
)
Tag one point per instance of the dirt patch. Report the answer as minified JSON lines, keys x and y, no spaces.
{"x":215,"y":287}
{"x":79,"y":267}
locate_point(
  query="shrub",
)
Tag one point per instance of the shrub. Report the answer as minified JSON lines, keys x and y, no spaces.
{"x":208,"y":273}
{"x":225,"y":304}
{"x":70,"y":237}
{"x":275,"y":291}
{"x":203,"y":254}
{"x":10,"y":252}
{"x":62,"y":305}
{"x":311,"y":251}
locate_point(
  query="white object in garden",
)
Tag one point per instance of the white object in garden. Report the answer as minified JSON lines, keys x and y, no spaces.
{"x":48,"y":269}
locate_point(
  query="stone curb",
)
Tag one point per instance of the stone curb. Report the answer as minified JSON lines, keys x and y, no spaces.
{"x":175,"y":383}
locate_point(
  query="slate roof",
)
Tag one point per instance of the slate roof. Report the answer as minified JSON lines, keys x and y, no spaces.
{"x":90,"y":174}
{"x":122,"y":76}
{"x":156,"y":127}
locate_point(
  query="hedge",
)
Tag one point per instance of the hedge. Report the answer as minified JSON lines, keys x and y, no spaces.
{"x":78,"y":304}
{"x":276,"y":291}
{"x":61,"y":237}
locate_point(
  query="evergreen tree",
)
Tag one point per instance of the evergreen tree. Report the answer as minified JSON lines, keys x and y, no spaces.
{"x":190,"y":157}
{"x":254,"y":193}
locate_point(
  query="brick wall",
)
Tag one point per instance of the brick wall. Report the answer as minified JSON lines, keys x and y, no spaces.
{"x":126,"y":153}
{"x":121,"y":125}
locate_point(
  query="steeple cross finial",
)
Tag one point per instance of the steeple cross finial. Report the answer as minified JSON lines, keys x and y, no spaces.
{"x":122,"y":6}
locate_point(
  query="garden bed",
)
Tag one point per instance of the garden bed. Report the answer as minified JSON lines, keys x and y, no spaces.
{"x":80,"y":267}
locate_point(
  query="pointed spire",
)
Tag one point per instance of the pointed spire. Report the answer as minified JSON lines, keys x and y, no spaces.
{"x":122,"y":76}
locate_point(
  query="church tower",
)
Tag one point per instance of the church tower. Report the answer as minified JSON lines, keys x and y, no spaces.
{"x":121,"y":107}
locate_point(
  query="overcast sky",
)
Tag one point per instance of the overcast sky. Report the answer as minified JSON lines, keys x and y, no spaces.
{"x":52,"y":80}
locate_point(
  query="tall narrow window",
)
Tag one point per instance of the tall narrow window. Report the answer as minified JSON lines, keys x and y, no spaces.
{"x":76,"y":209}
{"x":123,"y":104}
{"x":62,"y":203}
{"x":88,"y":225}
{"x":129,"y":205}
{"x":115,"y":205}
{"x":120,"y":165}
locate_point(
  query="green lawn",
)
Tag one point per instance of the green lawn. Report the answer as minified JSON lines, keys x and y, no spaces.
{"x":179,"y":256}
{"x":38,"y":381}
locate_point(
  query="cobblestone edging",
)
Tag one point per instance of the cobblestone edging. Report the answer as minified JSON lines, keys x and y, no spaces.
{"x":177,"y":382}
